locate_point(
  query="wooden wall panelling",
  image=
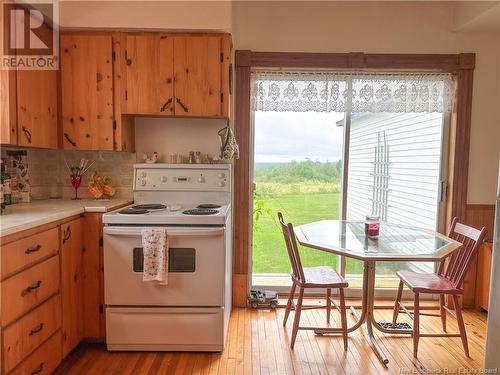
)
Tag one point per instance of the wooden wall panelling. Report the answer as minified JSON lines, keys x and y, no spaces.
{"x":87,"y":91}
{"x":124,"y":137}
{"x":242,"y":189}
{"x":93,"y":298}
{"x":148,"y":73}
{"x":477,"y":279}
{"x":37,"y":108}
{"x":71,"y":237}
{"x":483,"y":276}
{"x":197,"y":75}
{"x":8,"y":107}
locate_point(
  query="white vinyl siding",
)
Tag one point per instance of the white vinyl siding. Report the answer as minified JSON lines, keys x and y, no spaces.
{"x":414,"y":155}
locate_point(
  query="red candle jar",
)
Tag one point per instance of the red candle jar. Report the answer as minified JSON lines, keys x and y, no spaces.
{"x":372,"y":226}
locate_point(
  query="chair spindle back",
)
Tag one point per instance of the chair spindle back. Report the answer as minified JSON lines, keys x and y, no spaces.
{"x":292,"y":249}
{"x":456,"y":266}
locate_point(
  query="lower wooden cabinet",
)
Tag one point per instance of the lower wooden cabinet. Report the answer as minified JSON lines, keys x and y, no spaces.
{"x":51,"y":291}
{"x":28,"y":333}
{"x":44,"y":360}
{"x":72,"y":284}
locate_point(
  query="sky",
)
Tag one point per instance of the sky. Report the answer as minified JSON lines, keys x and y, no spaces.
{"x":285,"y":136}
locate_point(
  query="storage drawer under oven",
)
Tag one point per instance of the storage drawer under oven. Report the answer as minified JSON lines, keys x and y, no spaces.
{"x":165,"y":328}
{"x":196,"y":266}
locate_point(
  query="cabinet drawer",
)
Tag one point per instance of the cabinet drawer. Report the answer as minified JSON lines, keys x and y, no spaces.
{"x":24,"y":336}
{"x":27,"y":251}
{"x":25,"y":290}
{"x":44,"y":360}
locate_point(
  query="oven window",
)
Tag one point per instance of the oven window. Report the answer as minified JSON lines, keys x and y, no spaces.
{"x":179,"y":259}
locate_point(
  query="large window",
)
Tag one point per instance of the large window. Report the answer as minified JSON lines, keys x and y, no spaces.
{"x":344,"y":145}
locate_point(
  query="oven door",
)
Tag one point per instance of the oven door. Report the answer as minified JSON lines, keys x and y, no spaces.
{"x":196,"y":268}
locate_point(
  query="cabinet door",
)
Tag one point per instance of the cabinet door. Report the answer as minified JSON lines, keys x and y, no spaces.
{"x":197,"y":72}
{"x":72,"y":284}
{"x":149,"y":74}
{"x":87,"y":91}
{"x":37,"y":108}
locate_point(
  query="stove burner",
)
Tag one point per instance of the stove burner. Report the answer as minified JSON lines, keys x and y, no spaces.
{"x":200,"y":211}
{"x":133,"y":211}
{"x":208,"y":205}
{"x":151,"y":206}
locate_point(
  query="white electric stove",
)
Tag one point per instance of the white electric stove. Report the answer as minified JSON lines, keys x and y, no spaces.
{"x":191,"y":313}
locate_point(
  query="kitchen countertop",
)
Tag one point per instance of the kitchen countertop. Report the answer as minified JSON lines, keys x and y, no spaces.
{"x":22,"y":216}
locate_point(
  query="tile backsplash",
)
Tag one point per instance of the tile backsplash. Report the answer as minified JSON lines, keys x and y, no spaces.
{"x":48,"y":176}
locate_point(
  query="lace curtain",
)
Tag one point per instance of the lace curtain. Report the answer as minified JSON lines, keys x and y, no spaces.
{"x":281,"y":91}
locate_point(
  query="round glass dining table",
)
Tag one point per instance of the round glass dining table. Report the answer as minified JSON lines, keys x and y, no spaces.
{"x":395,"y":243}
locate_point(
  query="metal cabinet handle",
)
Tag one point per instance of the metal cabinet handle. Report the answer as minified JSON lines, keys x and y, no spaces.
{"x":31,"y":288}
{"x":166,"y":105}
{"x":27,"y":133}
{"x":37,"y":329}
{"x":67,"y":235}
{"x":73,"y":143}
{"x":183,"y":106}
{"x":33,"y":249}
{"x":38,"y":370}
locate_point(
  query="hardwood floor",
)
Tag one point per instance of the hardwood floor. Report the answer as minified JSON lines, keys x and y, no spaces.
{"x":258,"y":344}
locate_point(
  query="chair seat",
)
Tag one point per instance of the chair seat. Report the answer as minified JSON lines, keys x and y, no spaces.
{"x":323,"y":277}
{"x":421,"y":282}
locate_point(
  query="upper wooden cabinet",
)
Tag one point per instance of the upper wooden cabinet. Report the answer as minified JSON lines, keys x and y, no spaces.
{"x":149,"y":74}
{"x":37,"y":108}
{"x":87,"y":91}
{"x":177,"y":74}
{"x":28,"y":108}
{"x":90,"y":86}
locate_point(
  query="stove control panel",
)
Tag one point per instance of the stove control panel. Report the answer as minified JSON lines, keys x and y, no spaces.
{"x":158,"y":177}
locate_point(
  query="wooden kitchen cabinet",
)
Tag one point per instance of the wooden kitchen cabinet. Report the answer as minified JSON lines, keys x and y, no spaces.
{"x":28,"y":108}
{"x":87,"y":91}
{"x":91,"y":83}
{"x":72,"y":284}
{"x":37,"y":108}
{"x":149,"y":74}
{"x":177,"y":74}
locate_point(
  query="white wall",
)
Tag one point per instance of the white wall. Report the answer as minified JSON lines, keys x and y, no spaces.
{"x":307,"y":26}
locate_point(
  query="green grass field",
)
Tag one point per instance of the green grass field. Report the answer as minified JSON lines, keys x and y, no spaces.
{"x":269,"y":252}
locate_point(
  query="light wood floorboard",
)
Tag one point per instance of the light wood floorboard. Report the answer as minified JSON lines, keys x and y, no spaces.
{"x":259,"y":344}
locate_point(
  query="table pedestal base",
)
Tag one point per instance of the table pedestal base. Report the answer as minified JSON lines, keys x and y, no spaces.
{"x":368,"y":307}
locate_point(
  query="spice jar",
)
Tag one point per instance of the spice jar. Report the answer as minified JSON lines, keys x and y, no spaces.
{"x":372,"y":226}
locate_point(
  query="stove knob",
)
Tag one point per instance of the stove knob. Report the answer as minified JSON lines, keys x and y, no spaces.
{"x":221,"y":175}
{"x":221,"y":184}
{"x":143,"y":182}
{"x":201,"y":179}
{"x":164,"y":179}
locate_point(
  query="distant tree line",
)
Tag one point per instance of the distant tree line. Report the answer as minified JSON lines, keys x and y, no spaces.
{"x":299,"y":171}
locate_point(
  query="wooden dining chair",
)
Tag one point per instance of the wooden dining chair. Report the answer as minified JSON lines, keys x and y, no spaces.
{"x":447,"y":281}
{"x":322,"y":277}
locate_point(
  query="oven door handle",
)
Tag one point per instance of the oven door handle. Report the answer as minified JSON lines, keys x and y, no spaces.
{"x":188,"y":232}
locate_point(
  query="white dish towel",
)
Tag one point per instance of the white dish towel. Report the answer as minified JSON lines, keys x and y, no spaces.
{"x":155,"y":251}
